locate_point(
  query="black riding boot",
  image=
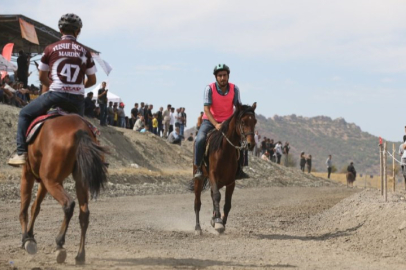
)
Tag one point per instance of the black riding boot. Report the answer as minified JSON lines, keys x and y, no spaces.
{"x":243,"y":161}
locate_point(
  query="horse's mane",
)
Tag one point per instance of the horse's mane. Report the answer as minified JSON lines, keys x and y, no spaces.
{"x":216,"y":139}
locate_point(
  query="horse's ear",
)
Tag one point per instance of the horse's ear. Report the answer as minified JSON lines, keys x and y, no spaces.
{"x":254,"y":106}
{"x":239,"y":107}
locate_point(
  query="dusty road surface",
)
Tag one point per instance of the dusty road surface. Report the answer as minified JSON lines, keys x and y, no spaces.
{"x":269,"y":228}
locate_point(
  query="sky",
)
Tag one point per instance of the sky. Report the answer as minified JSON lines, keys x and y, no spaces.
{"x":334,"y":58}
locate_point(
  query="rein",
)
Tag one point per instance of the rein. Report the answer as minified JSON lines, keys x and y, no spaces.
{"x":244,"y":144}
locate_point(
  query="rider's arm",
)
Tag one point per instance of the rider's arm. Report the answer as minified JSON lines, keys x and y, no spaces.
{"x":44,"y":79}
{"x":211,"y":118}
{"x":90,"y":80}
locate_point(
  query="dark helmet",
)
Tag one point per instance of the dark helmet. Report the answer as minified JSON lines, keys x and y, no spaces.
{"x":70,"y":22}
{"x":221,"y":67}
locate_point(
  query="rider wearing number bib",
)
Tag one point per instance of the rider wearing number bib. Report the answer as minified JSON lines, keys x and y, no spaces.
{"x":220,"y":98}
{"x":62,"y":71}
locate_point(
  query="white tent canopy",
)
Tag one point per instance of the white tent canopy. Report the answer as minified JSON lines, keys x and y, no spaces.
{"x":110,"y":96}
{"x":6,"y":65}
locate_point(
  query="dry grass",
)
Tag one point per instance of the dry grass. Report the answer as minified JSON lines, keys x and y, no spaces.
{"x":361,"y":182}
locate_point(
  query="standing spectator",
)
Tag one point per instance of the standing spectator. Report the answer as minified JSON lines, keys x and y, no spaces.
{"x":134,"y":114}
{"x":263,"y":146}
{"x":302,"y":161}
{"x":174,"y":137}
{"x":278,"y":151}
{"x":110,"y":114}
{"x":146,"y":119}
{"x":270,"y":147}
{"x":178,"y":118}
{"x":141,"y":111}
{"x":102,"y":100}
{"x":150,"y":117}
{"x":160,"y":121}
{"x":182,"y":121}
{"x":22,"y":71}
{"x":256,"y":148}
{"x":115,"y":118}
{"x":286,"y":149}
{"x":121,"y":115}
{"x":402,"y":154}
{"x":199,"y":122}
{"x":89,"y":105}
{"x":329,"y":164}
{"x":309,"y":163}
{"x":167,"y":119}
{"x":155,"y":124}
{"x":172,"y":121}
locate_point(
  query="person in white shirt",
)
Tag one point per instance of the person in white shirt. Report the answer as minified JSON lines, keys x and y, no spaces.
{"x":174,"y":137}
{"x":265,"y":156}
{"x":278,"y":152}
{"x":172,"y":121}
{"x":402,"y":154}
{"x":139,"y":124}
{"x":257,"y":145}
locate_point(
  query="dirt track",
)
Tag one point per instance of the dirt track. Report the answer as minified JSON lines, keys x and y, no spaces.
{"x":272,"y":228}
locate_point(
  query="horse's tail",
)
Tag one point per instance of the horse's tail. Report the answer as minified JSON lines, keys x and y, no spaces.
{"x":90,"y":164}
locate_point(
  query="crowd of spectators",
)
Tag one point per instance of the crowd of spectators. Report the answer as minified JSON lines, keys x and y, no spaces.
{"x":15,"y":93}
{"x":270,"y":150}
{"x":169,"y":123}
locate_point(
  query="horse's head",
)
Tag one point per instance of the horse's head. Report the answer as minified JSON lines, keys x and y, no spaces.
{"x":246,"y":124}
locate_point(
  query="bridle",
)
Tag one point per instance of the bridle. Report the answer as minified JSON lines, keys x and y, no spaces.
{"x":243,"y":141}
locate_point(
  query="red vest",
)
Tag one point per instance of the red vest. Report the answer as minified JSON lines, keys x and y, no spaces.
{"x":222,"y":107}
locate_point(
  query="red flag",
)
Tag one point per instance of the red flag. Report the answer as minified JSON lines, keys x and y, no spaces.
{"x":7,"y":51}
{"x":380,"y":140}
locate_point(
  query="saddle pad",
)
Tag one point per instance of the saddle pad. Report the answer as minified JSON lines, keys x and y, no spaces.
{"x":36,"y":125}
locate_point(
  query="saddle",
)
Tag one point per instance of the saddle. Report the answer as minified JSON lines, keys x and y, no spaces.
{"x":36,"y":125}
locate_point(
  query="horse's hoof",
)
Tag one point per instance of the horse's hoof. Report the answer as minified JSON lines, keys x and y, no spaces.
{"x":219,"y":227}
{"x":30,"y":247}
{"x":212,"y":222}
{"x":61,"y":255}
{"x":198,"y":232}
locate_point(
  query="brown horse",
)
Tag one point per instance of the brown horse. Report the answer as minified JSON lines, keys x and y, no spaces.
{"x":64,"y":145}
{"x":350,"y":179}
{"x":236,"y":133}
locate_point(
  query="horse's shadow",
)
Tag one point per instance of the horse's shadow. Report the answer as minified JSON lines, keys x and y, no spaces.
{"x":187,"y":262}
{"x":321,"y":237}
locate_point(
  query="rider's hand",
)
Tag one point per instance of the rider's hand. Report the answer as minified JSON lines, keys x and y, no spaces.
{"x":218,"y":126}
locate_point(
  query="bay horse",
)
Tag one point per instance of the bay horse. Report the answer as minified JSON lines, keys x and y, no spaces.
{"x":224,"y":147}
{"x":350,"y":179}
{"x":64,"y":145}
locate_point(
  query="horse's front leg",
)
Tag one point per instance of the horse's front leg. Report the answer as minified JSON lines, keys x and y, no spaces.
{"x":216,"y":220}
{"x":198,"y":191}
{"x":227,"y":205}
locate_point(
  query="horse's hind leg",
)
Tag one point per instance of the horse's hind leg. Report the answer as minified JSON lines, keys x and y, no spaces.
{"x":83,"y":198}
{"x":227,"y":204}
{"x":36,"y":207}
{"x":198,"y":192}
{"x":27,"y":182}
{"x":68,"y":204}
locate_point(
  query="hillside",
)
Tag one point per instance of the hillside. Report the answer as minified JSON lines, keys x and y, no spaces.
{"x":321,"y":136}
{"x":145,"y":164}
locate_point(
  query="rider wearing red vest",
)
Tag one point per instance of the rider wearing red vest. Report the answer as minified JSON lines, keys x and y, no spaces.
{"x":220,"y":98}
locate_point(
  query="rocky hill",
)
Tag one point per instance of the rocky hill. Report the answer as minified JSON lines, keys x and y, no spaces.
{"x":321,"y":136}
